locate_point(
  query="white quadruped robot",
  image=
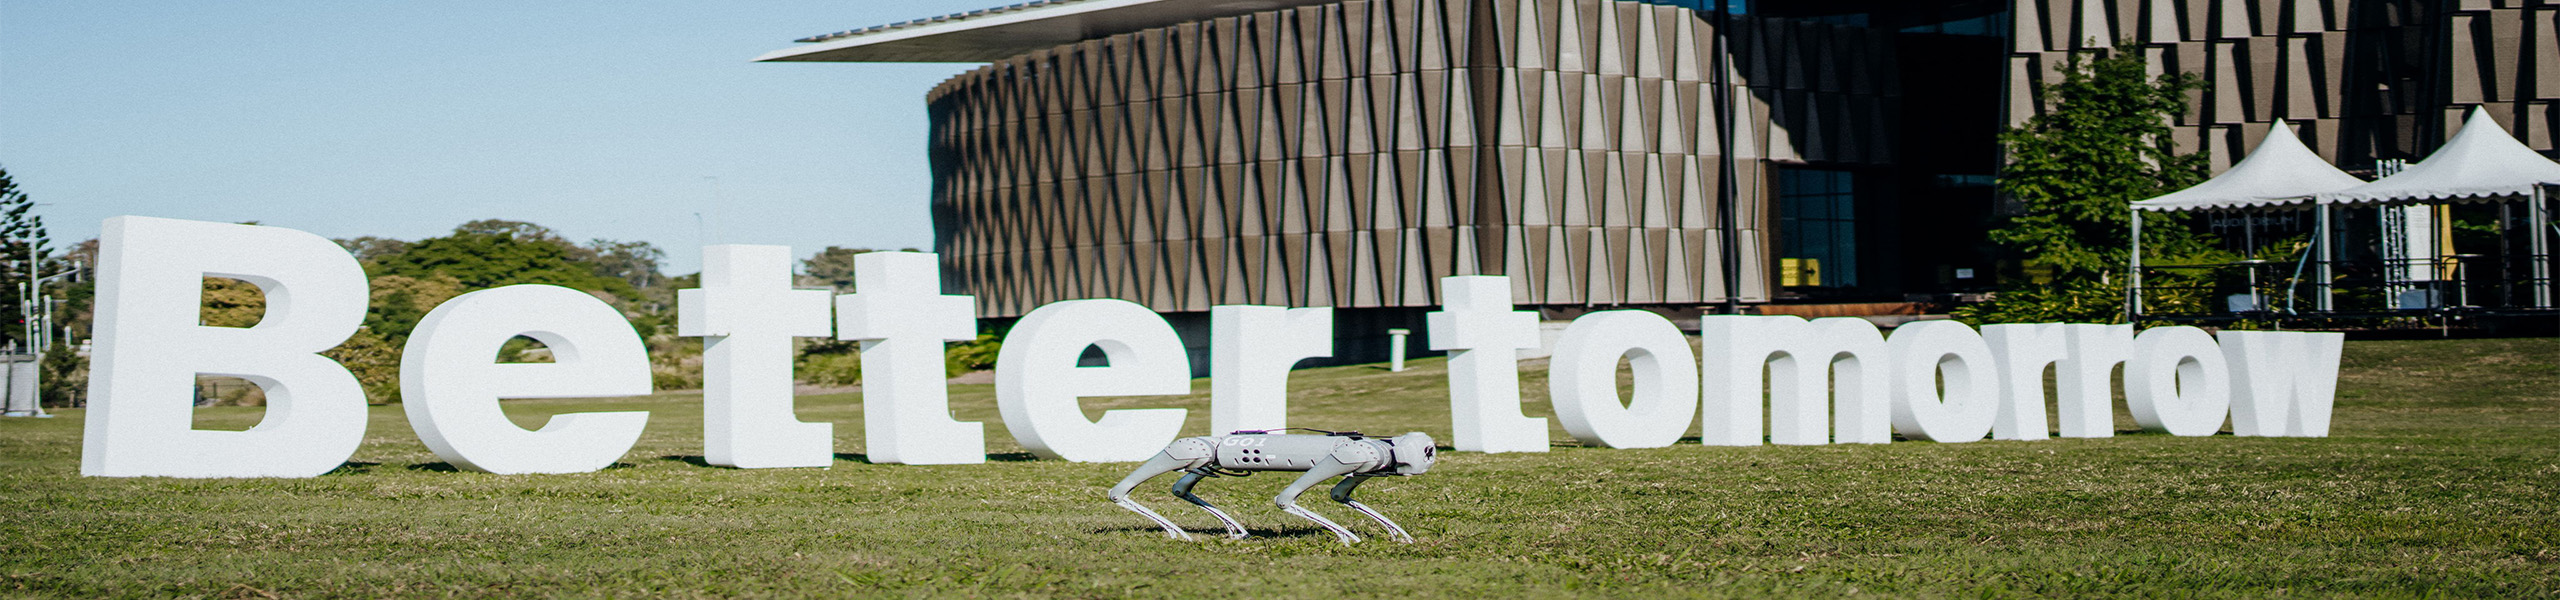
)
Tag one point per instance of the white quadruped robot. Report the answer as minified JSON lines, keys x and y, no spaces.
{"x":1346,"y":454}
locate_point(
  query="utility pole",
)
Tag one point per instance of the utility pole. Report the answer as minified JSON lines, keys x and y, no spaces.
{"x":35,"y":291}
{"x":33,"y":323}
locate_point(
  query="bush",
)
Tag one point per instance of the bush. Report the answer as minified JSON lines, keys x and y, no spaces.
{"x":833,"y":368}
{"x":973,"y":355}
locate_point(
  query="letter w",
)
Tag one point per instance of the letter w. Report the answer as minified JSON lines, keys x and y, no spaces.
{"x":2283,"y":383}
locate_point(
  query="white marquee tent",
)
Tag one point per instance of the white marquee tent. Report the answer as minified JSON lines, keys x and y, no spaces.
{"x":2280,"y":174}
{"x":2481,"y":163}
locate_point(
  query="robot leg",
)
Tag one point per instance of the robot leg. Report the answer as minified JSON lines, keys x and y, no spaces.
{"x":1162,"y":463}
{"x":1288,"y":499}
{"x":1342,"y":494}
{"x":1182,"y":489}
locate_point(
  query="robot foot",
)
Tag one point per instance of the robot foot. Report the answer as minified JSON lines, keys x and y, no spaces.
{"x":1339,"y":532}
{"x":1170,"y":530}
{"x":1182,"y":489}
{"x":1342,"y":494}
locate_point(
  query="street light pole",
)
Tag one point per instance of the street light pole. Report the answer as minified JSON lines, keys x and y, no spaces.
{"x":1727,"y":187}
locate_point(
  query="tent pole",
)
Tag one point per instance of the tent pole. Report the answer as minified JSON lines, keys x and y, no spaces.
{"x":2538,"y":218}
{"x":2324,"y":248}
{"x":2133,"y":291}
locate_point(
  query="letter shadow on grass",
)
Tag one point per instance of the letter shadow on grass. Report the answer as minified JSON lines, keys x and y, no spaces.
{"x":352,"y":468}
{"x":695,"y":460}
{"x":446,"y":467}
{"x":699,"y":461}
{"x":997,"y":457}
{"x":1294,"y":531}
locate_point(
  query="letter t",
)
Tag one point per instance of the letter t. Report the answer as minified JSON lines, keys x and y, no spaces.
{"x":1484,"y":336}
{"x":902,"y":318}
{"x":746,"y":314}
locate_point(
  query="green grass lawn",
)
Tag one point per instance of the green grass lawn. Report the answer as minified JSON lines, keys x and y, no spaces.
{"x":2441,"y":477}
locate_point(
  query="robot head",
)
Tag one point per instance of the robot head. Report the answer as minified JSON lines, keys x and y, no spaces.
{"x":1414,"y":453}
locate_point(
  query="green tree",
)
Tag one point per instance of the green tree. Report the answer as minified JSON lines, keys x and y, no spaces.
{"x":514,"y":229}
{"x":410,"y":279}
{"x":832,"y":267}
{"x":367,"y":248}
{"x":2074,"y":171}
{"x":635,"y":262}
{"x":231,"y":303}
{"x":400,"y":301}
{"x":23,"y":246}
{"x":66,"y":376}
{"x":482,"y":260}
{"x":375,"y":361}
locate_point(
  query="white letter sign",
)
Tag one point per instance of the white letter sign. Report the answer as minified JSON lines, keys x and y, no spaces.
{"x":1250,"y":351}
{"x":902,"y":318}
{"x":1038,"y":382}
{"x":150,"y":348}
{"x":746,"y":314}
{"x":1923,"y":353}
{"x":450,"y":385}
{"x":2084,"y":381}
{"x":2024,"y":350}
{"x":2177,"y":381}
{"x":1583,"y":380}
{"x":2282,"y":383}
{"x":1800,"y":358}
{"x":1483,"y":337}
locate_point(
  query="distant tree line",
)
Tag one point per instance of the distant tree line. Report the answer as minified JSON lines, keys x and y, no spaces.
{"x":408,"y":279}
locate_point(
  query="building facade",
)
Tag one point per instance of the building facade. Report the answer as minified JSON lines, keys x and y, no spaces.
{"x":1191,"y":153}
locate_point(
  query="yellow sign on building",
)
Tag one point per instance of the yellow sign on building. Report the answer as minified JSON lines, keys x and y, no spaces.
{"x":1799,"y":272}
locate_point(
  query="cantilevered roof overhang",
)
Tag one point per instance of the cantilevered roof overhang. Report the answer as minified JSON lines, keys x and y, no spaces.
{"x":998,"y":33}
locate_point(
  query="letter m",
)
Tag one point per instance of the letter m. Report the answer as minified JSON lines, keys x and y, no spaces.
{"x":1801,"y":357}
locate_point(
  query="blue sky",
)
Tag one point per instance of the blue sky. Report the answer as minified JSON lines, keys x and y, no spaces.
{"x":612,"y":120}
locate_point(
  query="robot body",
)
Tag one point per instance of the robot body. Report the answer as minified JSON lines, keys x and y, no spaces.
{"x":1353,"y":457}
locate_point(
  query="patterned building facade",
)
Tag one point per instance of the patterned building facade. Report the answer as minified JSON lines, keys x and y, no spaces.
{"x":1350,"y":154}
{"x":2362,"y":79}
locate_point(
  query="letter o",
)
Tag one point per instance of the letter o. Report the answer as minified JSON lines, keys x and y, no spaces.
{"x":1583,"y":381}
{"x":2177,"y":381}
{"x":1921,"y":350}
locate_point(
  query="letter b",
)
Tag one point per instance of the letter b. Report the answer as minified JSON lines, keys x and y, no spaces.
{"x":150,"y":348}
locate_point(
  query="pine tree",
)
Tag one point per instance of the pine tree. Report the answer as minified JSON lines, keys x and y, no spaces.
{"x":23,"y":246}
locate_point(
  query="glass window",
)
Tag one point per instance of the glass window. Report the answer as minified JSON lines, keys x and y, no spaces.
{"x":1817,"y":221}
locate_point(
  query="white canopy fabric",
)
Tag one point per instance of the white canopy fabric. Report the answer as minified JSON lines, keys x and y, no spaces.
{"x":2280,"y":171}
{"x":2481,"y":162}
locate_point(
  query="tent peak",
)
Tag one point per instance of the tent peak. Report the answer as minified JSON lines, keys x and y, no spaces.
{"x":2482,"y":161}
{"x":2280,"y":171}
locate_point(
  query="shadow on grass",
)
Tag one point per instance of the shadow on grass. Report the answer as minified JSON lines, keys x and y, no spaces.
{"x":1216,"y":534}
{"x":1000,"y":457}
{"x":352,"y":468}
{"x":446,"y":467}
{"x":690,"y":460}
